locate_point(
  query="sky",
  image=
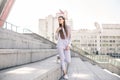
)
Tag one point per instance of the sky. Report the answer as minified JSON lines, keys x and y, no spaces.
{"x":84,"y":13}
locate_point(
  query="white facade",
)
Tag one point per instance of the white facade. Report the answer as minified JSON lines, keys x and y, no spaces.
{"x":104,"y":39}
{"x":85,"y":39}
{"x":110,"y":38}
{"x":43,"y":26}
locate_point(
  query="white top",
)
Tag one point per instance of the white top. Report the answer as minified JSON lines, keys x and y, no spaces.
{"x":67,"y":40}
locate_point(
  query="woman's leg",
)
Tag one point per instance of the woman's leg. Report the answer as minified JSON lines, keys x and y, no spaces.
{"x":62,"y":59}
{"x":67,"y":58}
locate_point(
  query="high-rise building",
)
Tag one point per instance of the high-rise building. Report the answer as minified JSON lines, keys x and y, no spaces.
{"x":48,"y":26}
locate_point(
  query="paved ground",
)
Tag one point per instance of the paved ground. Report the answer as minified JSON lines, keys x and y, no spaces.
{"x":79,"y":70}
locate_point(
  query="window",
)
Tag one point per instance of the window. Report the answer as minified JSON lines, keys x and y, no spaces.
{"x":83,"y":44}
{"x":114,"y":41}
{"x":105,"y":40}
{"x":110,"y":40}
{"x":95,"y":40}
{"x":118,"y":36}
{"x":105,"y":36}
{"x":89,"y":44}
{"x":111,"y":48}
{"x":118,"y":44}
{"x":110,"y":44}
{"x":105,"y":45}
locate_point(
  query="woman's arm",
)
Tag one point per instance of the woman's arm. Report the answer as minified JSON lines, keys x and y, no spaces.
{"x":69,"y":36}
{"x":69,"y":39}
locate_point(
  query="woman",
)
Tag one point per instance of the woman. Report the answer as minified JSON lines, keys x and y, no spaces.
{"x":63,"y":35}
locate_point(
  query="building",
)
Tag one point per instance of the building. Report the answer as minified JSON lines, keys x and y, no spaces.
{"x":85,"y":39}
{"x":110,"y":38}
{"x":48,"y":26}
{"x":105,"y":39}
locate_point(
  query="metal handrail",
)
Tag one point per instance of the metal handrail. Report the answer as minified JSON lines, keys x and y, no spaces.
{"x":12,"y":27}
{"x":106,"y":57}
{"x":99,"y":59}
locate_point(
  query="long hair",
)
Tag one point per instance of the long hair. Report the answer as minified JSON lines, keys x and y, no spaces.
{"x":65,"y":28}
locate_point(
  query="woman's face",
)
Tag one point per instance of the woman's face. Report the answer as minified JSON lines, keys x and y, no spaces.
{"x":60,"y":20}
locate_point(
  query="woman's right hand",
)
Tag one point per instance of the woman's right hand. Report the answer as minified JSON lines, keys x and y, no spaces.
{"x":58,"y":29}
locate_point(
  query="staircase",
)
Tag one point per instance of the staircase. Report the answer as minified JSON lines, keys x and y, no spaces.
{"x":26,"y":58}
{"x":32,"y":57}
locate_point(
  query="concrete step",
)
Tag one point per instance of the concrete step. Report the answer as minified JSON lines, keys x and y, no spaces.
{"x":47,"y":69}
{"x":80,"y":70}
{"x":19,"y":44}
{"x":13,"y":40}
{"x":40,"y":38}
{"x":103,"y":74}
{"x":15,"y":57}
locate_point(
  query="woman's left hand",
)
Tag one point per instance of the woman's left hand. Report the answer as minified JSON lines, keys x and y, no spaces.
{"x":67,"y":47}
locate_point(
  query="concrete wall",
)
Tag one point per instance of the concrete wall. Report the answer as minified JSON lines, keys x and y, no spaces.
{"x":14,"y":57}
{"x":13,"y":40}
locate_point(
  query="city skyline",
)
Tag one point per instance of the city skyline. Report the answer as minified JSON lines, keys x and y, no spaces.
{"x":83,"y":12}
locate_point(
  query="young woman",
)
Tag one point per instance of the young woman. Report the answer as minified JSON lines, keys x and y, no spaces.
{"x":63,"y":35}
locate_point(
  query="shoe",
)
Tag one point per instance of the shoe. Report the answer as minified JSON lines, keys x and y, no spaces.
{"x":66,"y":76}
